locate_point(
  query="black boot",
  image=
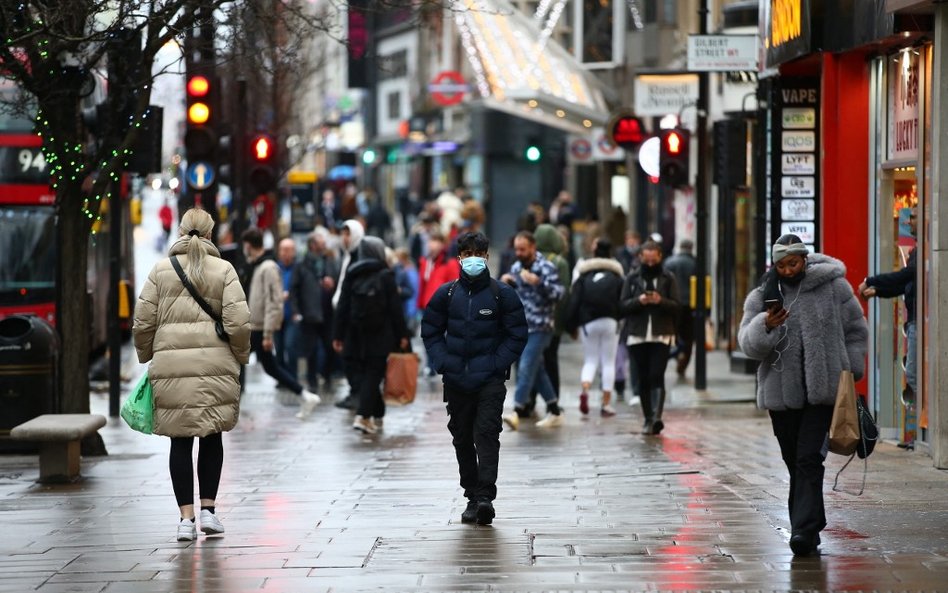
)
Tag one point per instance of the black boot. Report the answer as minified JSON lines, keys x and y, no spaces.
{"x":658,"y":404}
{"x":620,"y":390}
{"x":647,"y":414}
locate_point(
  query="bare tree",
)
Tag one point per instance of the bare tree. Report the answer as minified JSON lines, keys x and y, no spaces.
{"x":53,"y":50}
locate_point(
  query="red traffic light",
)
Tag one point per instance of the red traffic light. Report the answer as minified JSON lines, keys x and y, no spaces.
{"x":198,"y":86}
{"x":673,"y":141}
{"x":262,"y":147}
{"x":626,"y":130}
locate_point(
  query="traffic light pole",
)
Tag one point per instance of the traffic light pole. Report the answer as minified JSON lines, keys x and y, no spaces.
{"x":701,"y":199}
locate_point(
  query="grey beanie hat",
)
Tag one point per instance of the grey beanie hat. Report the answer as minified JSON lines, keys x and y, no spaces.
{"x":779,"y":251}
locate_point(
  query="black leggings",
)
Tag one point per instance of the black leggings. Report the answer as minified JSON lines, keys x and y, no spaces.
{"x":181,"y":464}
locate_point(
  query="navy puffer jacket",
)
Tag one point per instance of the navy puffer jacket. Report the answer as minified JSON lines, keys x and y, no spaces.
{"x":473,"y":338}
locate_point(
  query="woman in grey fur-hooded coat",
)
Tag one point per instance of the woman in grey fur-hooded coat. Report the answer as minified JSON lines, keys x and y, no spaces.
{"x":825,"y":333}
{"x":813,"y":330}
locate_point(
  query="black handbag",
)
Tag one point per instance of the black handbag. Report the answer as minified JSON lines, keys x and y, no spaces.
{"x":868,"y":431}
{"x":218,"y":322}
{"x":868,"y":435}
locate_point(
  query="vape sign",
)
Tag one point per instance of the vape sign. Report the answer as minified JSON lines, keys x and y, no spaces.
{"x":795,"y":168}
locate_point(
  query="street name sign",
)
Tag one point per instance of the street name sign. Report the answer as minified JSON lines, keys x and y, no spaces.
{"x":722,"y":53}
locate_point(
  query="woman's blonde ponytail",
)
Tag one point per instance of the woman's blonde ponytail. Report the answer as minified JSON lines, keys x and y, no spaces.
{"x":195,"y":224}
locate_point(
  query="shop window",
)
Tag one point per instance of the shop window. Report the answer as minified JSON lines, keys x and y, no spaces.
{"x":597,"y":31}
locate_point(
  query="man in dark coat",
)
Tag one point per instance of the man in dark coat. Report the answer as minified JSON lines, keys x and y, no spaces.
{"x":683,"y":266}
{"x":311,"y":290}
{"x":474,"y":329}
{"x":367,"y":327}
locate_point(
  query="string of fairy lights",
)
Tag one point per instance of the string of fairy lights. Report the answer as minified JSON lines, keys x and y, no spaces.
{"x":504,"y":56}
{"x":70,"y":162}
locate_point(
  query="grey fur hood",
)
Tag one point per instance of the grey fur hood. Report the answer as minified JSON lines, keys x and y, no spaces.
{"x":599,"y":263}
{"x":825,"y":334}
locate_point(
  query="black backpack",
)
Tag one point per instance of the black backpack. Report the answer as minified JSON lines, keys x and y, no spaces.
{"x":369,"y":301}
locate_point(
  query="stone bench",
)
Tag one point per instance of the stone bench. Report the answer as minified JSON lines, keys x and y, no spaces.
{"x":58,"y":436}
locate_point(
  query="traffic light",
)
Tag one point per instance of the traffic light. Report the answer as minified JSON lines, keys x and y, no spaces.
{"x":673,"y":158}
{"x":262,"y":163}
{"x":200,"y":140}
{"x":627,"y":131}
{"x":532,"y":153}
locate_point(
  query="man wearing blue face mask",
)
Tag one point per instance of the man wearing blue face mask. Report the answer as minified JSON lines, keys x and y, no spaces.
{"x":474,"y":329}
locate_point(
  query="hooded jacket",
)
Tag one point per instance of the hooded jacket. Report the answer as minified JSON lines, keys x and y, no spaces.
{"x":553,"y":247}
{"x":825,"y":333}
{"x":194,"y":374}
{"x":433,"y":272}
{"x":472,"y":337}
{"x":362,"y":342}
{"x":356,"y":234}
{"x":596,"y":292}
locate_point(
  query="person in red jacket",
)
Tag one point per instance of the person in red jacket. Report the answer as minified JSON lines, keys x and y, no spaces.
{"x":435,"y":268}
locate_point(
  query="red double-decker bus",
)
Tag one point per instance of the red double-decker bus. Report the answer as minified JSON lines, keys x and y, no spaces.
{"x":28,"y":236}
{"x":27,"y":228}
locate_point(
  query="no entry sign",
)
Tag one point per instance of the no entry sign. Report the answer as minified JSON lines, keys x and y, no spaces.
{"x":448,"y":88}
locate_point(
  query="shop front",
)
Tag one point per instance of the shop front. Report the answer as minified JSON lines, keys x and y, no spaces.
{"x":901,"y":93}
{"x":844,"y":92}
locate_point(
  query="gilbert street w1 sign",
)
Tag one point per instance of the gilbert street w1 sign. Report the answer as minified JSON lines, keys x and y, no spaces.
{"x":448,"y":88}
{"x":200,"y":175}
{"x":722,"y":53}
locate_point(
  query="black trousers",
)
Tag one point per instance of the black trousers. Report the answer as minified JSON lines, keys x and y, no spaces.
{"x":365,"y":380}
{"x":802,"y":436}
{"x":271,"y":366}
{"x":209,"y":465}
{"x":474,"y":419}
{"x":649,"y":361}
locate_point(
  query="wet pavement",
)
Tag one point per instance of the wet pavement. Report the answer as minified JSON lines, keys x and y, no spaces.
{"x":590,"y":506}
{"x":314,"y":506}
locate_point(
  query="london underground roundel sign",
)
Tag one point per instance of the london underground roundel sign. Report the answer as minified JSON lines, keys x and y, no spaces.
{"x":448,"y":88}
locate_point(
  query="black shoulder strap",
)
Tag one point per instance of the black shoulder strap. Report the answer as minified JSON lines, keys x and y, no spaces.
{"x":451,"y":288}
{"x":194,"y":293}
{"x":494,"y":288}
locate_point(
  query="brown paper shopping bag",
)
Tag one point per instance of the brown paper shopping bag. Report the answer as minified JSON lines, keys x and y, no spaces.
{"x":401,"y":378}
{"x":844,"y":429}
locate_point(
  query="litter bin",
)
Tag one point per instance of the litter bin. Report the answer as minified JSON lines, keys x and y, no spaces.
{"x":29,"y":349}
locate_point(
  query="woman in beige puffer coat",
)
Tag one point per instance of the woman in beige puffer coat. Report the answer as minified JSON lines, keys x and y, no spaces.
{"x":194,"y":374}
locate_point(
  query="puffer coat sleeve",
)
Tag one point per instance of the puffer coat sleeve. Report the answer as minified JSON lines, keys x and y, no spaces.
{"x":194,"y":374}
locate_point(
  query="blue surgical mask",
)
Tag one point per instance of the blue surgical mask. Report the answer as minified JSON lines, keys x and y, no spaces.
{"x":473,"y":266}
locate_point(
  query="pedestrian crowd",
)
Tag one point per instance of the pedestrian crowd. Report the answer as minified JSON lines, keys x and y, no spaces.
{"x":350,"y":301}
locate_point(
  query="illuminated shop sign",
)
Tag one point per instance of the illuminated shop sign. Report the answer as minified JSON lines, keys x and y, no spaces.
{"x":795,"y":171}
{"x":785,"y":30}
{"x":902,"y":142}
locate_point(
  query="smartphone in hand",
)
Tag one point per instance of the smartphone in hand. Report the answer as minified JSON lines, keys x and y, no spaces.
{"x":773,"y":304}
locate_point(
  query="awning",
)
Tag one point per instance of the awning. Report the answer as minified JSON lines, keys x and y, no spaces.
{"x":519,"y":69}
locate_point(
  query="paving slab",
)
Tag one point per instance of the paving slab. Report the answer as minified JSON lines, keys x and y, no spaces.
{"x":591,"y":506}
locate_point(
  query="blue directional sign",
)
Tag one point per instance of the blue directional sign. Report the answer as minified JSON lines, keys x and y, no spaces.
{"x":200,"y":175}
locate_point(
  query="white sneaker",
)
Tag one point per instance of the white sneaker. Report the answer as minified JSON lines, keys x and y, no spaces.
{"x":310,"y":401}
{"x":551,"y":420}
{"x":364,"y":425}
{"x":187,"y":531}
{"x":513,"y":420}
{"x":210,"y":524}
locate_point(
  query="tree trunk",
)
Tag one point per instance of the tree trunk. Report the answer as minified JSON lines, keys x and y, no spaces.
{"x":72,"y":303}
